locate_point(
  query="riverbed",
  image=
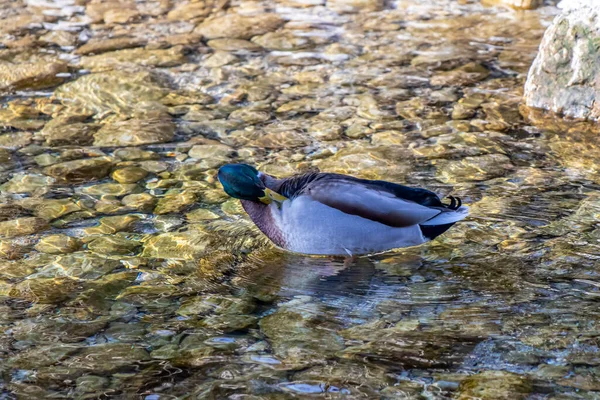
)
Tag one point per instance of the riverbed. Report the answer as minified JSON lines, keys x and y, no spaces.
{"x":126,"y":272}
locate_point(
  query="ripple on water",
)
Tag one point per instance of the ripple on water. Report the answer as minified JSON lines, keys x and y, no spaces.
{"x":125,"y":271}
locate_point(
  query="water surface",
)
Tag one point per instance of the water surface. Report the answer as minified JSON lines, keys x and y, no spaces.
{"x":126,"y":272}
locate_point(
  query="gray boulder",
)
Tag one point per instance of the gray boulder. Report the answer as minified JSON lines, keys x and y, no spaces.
{"x":565,"y":76}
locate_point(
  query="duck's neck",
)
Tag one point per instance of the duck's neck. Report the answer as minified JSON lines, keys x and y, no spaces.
{"x":261,"y":215}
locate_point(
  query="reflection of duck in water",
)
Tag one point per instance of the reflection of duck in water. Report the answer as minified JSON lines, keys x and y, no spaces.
{"x":333,"y":214}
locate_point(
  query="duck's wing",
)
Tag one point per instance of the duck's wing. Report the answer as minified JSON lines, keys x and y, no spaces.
{"x":384,"y":202}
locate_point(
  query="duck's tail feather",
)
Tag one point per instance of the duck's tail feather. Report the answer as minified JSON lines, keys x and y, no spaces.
{"x":448,"y":216}
{"x":433,"y":231}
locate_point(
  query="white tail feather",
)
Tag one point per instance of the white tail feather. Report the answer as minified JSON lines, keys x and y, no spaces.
{"x":448,"y":217}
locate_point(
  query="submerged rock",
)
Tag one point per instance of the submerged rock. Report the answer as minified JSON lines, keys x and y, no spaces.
{"x":45,"y":290}
{"x":283,"y":41}
{"x":355,"y":6}
{"x":42,"y":356}
{"x":26,"y":183}
{"x":220,"y":305}
{"x":58,"y":244}
{"x":465,"y":75}
{"x":239,"y":26}
{"x":113,"y":245}
{"x":143,"y":202}
{"x":57,"y":134}
{"x":175,"y":201}
{"x":14,"y":249}
{"x":141,"y":56}
{"x":219,"y":59}
{"x":83,"y":265}
{"x":114,"y":224}
{"x":179,"y":246}
{"x":22,"y":227}
{"x":300,"y":332}
{"x":134,"y":132}
{"x":97,"y":46}
{"x":135,"y":154}
{"x":498,"y":385}
{"x":477,"y":168}
{"x":196,"y":11}
{"x":129,"y":174}
{"x":107,"y":357}
{"x":30,"y":75}
{"x":565,"y":74}
{"x":517,"y":4}
{"x":91,"y":384}
{"x":15,"y":140}
{"x":116,"y":91}
{"x":52,"y":209}
{"x":233,"y":45}
{"x":80,"y":170}
{"x":211,"y":155}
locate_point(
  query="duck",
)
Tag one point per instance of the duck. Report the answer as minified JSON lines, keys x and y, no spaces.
{"x":322,"y":213}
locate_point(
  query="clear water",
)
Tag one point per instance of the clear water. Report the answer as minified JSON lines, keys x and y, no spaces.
{"x":126,"y":272}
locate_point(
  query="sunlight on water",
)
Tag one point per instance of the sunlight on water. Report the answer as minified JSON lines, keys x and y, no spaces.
{"x":127,"y":272}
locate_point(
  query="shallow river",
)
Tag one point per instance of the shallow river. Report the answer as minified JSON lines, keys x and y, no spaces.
{"x":126,"y":272}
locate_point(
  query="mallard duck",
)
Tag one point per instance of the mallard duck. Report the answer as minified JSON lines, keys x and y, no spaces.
{"x":334,"y":214}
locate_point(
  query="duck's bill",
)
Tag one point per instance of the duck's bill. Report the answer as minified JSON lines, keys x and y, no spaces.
{"x":271,"y":196}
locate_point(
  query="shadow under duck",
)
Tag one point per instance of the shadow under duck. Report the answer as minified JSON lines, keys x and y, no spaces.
{"x":334,"y":214}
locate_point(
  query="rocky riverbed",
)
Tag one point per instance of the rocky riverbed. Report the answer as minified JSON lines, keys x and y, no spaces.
{"x":125,"y":272}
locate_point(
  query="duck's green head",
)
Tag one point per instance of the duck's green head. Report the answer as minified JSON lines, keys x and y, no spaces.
{"x":241,"y":181}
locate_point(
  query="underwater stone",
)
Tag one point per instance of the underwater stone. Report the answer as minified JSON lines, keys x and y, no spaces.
{"x":238,"y":26}
{"x":30,"y":75}
{"x":233,"y":45}
{"x":134,"y":132}
{"x":478,"y":168}
{"x":27,"y":183}
{"x":155,"y":58}
{"x":113,"y":245}
{"x":110,"y":189}
{"x":80,"y":170}
{"x":58,"y":244}
{"x":467,"y":74}
{"x":143,"y":202}
{"x":178,"y":246}
{"x":13,"y":249}
{"x":211,"y":155}
{"x":498,"y":385}
{"x":175,"y":201}
{"x":45,"y":290}
{"x":115,"y":91}
{"x":355,"y":6}
{"x":129,"y":174}
{"x":15,"y":140}
{"x":219,"y":59}
{"x":22,"y":226}
{"x":103,"y":291}
{"x":52,"y":209}
{"x":83,"y":265}
{"x":98,"y":46}
{"x":114,"y":224}
{"x":135,"y":154}
{"x":42,"y":356}
{"x":107,"y":357}
{"x":217,"y":304}
{"x":325,"y":130}
{"x":91,"y":383}
{"x":516,"y":4}
{"x":69,"y":134}
{"x":282,"y":41}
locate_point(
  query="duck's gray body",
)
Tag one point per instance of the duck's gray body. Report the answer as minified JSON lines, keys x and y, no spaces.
{"x":331,"y":214}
